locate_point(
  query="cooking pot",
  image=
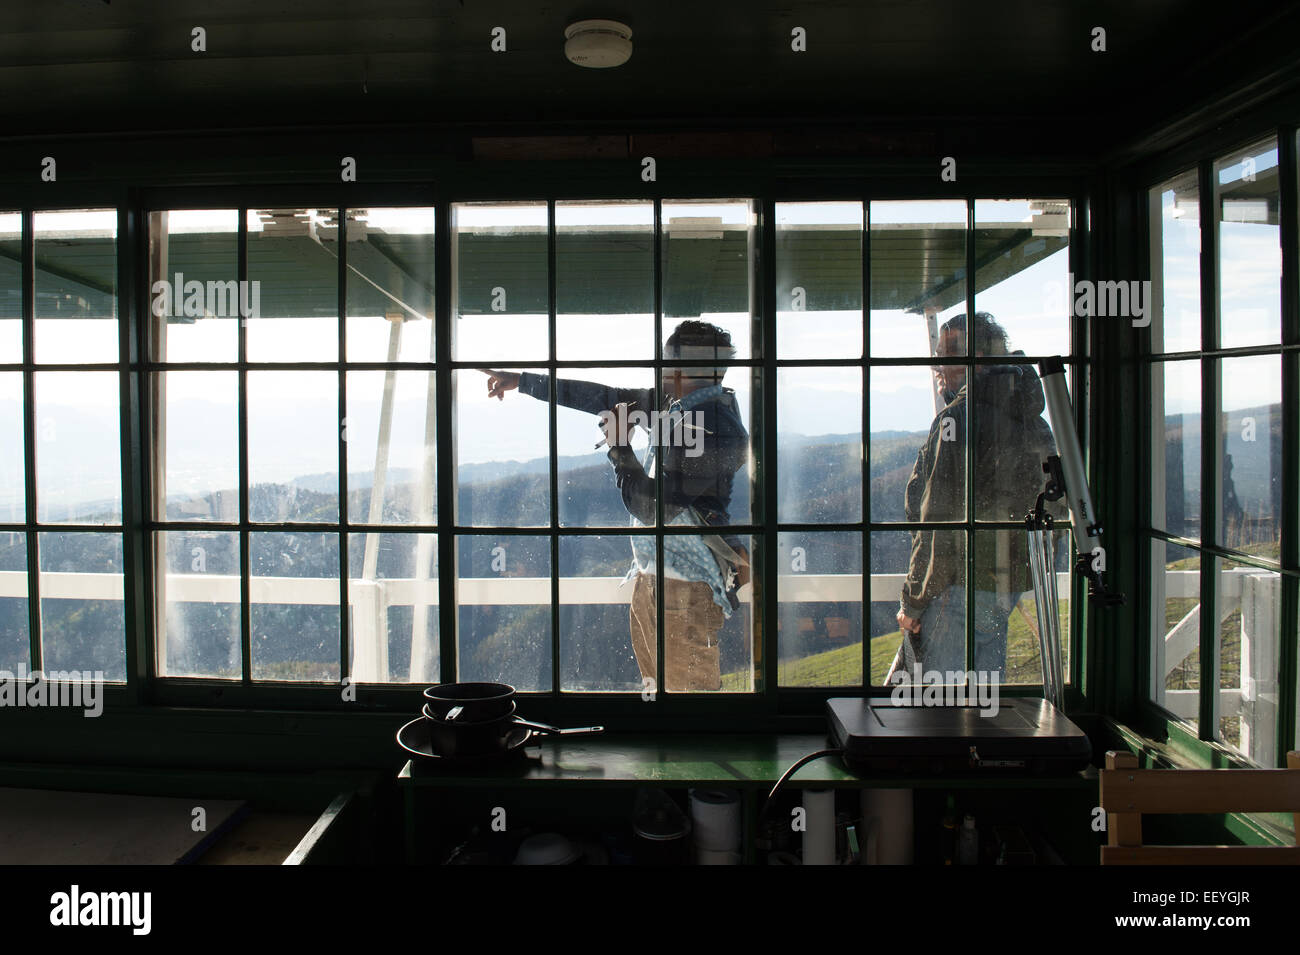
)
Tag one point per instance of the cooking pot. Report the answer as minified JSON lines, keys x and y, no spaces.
{"x":470,"y":702}
{"x":462,"y":737}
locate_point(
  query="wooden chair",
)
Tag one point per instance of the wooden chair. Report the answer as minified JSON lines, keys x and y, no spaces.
{"x":1127,"y":792}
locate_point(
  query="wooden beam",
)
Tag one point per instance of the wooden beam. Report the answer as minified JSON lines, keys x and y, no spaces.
{"x":1123,"y":829}
{"x":1200,"y":790}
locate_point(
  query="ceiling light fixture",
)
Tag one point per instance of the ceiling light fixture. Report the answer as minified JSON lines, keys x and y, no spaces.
{"x":598,"y":44}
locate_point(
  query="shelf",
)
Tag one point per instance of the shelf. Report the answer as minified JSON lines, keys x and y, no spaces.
{"x":731,"y":760}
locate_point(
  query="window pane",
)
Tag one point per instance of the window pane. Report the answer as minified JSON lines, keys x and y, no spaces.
{"x":1250,"y":608}
{"x":502,"y":453}
{"x":393,"y":608}
{"x":12,"y":480}
{"x":739,"y":655}
{"x":604,"y":275}
{"x":11,"y":288}
{"x":76,"y":285}
{"x":194,"y":289}
{"x":200,"y":434}
{"x":198,"y":588}
{"x":293,"y":263}
{"x":589,"y":494}
{"x":82,"y":623}
{"x":1006,"y":611}
{"x":294,"y":606}
{"x":819,"y":279}
{"x":819,"y":589}
{"x":1022,"y":269}
{"x":709,"y":250}
{"x":390,"y":284}
{"x":1176,"y":460}
{"x":1176,"y":265}
{"x":707,"y":648}
{"x":293,"y":454}
{"x":1250,"y":247}
{"x":1012,"y":439}
{"x":78,"y":468}
{"x":1252,"y":448}
{"x":819,"y":445}
{"x":15,"y":627}
{"x":596,"y":647}
{"x":709,"y":460}
{"x":923,"y":572}
{"x":918,"y":273}
{"x":503,"y":608}
{"x":1176,"y":626}
{"x":499,"y":301}
{"x":392,"y":447}
{"x":912,"y":436}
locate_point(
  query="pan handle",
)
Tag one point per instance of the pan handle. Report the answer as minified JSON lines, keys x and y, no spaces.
{"x":557,"y":731}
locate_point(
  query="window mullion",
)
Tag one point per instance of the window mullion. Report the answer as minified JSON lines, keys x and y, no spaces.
{"x":133,"y":385}
{"x":553,"y":446}
{"x":245,"y":570}
{"x":345,"y":672}
{"x":445,"y":446}
{"x":29,"y":436}
{"x":864,"y":450}
{"x":768,"y":479}
{"x":1289,"y":645}
{"x":1211,"y":452}
{"x":659,"y":471}
{"x":969,"y":436}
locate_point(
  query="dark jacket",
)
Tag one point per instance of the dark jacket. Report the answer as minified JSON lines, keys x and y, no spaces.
{"x":1011,"y":442}
{"x":702,"y":481}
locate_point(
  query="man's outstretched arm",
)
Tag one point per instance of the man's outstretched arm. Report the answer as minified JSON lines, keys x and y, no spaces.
{"x":589,"y":396}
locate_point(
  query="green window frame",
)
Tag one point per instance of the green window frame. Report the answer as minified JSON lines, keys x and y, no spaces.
{"x":1210,"y":578}
{"x":137,"y":369}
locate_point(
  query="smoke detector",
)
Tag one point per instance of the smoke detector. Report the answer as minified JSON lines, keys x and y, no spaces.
{"x":598,"y":44}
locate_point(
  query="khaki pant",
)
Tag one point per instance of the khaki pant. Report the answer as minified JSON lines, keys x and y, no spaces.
{"x":691,"y":624}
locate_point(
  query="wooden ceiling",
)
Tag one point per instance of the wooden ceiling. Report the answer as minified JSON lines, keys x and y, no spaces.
{"x":76,"y":66}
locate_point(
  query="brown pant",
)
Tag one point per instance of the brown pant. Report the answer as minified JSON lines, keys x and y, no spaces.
{"x":691,"y":624}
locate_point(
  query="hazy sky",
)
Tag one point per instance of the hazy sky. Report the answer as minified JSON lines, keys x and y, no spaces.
{"x":294,"y":414}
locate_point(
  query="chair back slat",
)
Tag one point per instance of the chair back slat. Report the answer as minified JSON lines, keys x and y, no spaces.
{"x":1127,"y":792}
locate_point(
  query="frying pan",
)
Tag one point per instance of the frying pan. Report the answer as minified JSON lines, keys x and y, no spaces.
{"x":460,"y":738}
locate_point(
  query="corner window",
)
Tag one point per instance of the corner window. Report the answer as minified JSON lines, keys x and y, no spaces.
{"x":1221,"y":428}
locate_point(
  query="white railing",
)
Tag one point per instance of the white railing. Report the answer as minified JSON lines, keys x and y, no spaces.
{"x":370,"y":600}
{"x":1257,"y":594}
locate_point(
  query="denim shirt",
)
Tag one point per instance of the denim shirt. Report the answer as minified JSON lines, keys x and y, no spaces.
{"x":695,"y":490}
{"x":687,"y":558}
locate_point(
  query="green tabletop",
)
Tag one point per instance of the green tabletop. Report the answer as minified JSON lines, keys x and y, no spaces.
{"x":704,"y":759}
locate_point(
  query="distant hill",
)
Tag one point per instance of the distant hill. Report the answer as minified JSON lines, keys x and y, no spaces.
{"x":819,"y":482}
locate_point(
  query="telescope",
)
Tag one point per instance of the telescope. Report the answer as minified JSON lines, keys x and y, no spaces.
{"x":1065,"y":478}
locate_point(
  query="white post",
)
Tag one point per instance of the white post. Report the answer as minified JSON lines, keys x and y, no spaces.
{"x":1260,"y":593}
{"x":932,"y":329}
{"x":378,"y":487}
{"x":369,"y":631}
{"x":421,"y":652}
